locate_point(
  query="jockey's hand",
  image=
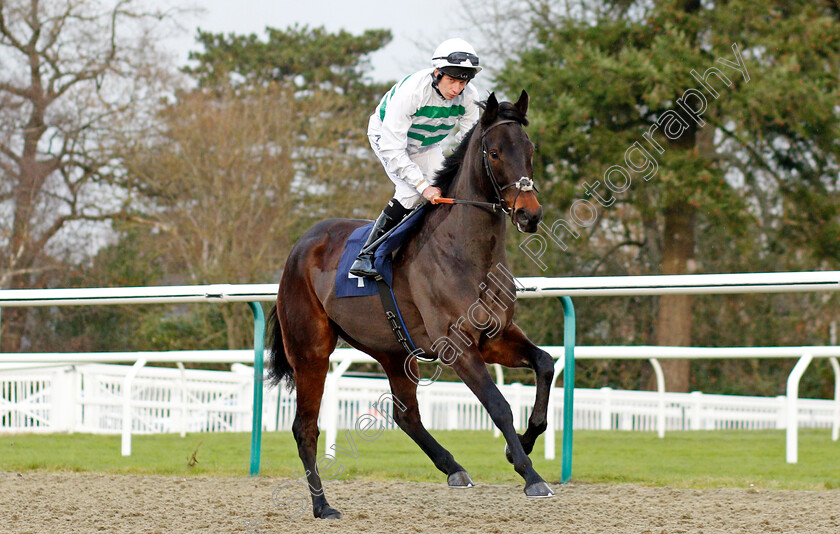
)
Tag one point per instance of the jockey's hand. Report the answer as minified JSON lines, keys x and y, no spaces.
{"x":432,"y":193}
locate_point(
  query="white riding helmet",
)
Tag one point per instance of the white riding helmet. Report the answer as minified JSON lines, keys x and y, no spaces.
{"x":459,"y":54}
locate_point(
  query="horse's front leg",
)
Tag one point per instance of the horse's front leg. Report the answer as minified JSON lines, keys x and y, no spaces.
{"x":514,"y":349}
{"x":543,"y":365}
{"x":407,"y":416}
{"x":472,"y":370}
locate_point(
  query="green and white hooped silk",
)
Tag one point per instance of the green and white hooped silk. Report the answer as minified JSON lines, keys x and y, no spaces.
{"x":412,"y":116}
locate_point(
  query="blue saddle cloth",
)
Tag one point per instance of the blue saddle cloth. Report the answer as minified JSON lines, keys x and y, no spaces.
{"x":348,"y":285}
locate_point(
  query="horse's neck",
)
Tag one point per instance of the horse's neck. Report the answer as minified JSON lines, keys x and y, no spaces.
{"x":467,"y":183}
{"x":475,"y":232}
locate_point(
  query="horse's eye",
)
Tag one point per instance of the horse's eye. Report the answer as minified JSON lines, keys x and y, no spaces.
{"x":494,"y":154}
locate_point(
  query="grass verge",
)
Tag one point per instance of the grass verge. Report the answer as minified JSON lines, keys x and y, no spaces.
{"x":682,"y":459}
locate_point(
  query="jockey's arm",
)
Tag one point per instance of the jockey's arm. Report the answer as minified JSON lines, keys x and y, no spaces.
{"x":393,"y":143}
{"x":432,"y":193}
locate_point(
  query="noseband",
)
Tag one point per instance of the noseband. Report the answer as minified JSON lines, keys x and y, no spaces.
{"x":523,"y":184}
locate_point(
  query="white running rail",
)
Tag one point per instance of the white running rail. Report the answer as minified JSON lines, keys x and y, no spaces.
{"x":529,"y":287}
{"x":87,"y":397}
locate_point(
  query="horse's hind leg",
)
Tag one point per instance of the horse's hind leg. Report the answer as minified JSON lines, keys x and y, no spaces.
{"x":407,"y":416}
{"x":309,"y":339}
{"x":310,"y":388}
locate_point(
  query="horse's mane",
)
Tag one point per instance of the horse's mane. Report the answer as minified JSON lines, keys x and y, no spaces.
{"x":446,"y":175}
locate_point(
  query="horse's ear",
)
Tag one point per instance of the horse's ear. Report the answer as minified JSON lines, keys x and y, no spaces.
{"x":491,"y":110}
{"x":522,"y":103}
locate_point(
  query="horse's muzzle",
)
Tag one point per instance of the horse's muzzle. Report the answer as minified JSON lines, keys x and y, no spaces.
{"x":527,"y":220}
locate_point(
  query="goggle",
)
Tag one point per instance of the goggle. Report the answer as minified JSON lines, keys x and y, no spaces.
{"x":457,"y":58}
{"x":459,"y":73}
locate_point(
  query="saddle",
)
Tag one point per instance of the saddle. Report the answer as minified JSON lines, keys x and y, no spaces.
{"x":348,"y":285}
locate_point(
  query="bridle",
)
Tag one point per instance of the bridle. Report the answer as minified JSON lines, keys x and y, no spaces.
{"x":523,"y":184}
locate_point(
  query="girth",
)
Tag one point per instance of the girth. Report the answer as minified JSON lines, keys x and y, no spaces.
{"x":392,"y":314}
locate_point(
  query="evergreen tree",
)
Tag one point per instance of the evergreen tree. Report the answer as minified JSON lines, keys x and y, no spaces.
{"x":270,"y":141}
{"x":297,"y":56}
{"x":661,"y":124}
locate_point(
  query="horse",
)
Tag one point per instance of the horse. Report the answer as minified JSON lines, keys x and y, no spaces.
{"x":439,"y":277}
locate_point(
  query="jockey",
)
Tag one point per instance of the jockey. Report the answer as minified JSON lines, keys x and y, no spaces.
{"x":407,"y":127}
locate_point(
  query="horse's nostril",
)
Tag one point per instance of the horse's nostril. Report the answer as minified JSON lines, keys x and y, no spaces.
{"x":522,"y":216}
{"x":527,"y":221}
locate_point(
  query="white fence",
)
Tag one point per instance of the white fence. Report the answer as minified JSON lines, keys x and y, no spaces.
{"x":526,"y":288}
{"x":90,"y":398}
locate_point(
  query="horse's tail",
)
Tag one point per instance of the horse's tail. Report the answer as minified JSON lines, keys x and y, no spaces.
{"x":279,"y":363}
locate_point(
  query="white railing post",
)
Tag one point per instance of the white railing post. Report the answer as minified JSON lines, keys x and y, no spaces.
{"x":184,"y":411}
{"x":424,"y":405}
{"x":696,"y":422}
{"x":792,"y":445}
{"x":62,"y":400}
{"x":331,"y":403}
{"x":781,"y":412}
{"x":75,"y":398}
{"x":451,"y":413}
{"x":126,"y":411}
{"x":91,"y":390}
{"x":835,"y":423}
{"x":605,"y":422}
{"x":660,"y":398}
{"x":550,"y":418}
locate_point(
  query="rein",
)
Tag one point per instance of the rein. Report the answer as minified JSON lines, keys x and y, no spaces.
{"x":523,"y":184}
{"x":492,"y":206}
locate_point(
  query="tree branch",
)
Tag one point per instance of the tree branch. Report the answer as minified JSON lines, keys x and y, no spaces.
{"x":7,"y":276}
{"x":9,"y":153}
{"x":756,"y":157}
{"x":7,"y":33}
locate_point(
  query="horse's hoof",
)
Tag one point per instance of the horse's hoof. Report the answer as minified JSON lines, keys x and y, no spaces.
{"x":461,"y":479}
{"x":328,"y":512}
{"x":508,"y":455}
{"x":539,"y":490}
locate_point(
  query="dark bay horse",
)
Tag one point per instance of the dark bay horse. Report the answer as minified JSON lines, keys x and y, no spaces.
{"x":440,"y":276}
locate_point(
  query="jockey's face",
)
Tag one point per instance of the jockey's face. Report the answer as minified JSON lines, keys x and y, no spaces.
{"x":451,"y":87}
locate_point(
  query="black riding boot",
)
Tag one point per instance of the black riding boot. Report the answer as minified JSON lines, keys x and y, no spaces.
{"x":390,"y":216}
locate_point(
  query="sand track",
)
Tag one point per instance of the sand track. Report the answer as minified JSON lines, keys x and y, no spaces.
{"x":76,"y":502}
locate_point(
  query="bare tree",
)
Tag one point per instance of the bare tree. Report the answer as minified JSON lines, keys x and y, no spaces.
{"x":233,"y":176}
{"x":75,"y":76}
{"x":501,"y":29}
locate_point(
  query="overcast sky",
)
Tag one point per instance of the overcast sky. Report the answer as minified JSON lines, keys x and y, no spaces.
{"x":416,"y":26}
